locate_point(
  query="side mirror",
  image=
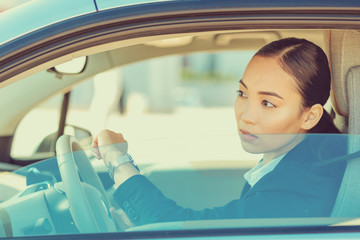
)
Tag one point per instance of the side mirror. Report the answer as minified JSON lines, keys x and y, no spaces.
{"x":83,"y":136}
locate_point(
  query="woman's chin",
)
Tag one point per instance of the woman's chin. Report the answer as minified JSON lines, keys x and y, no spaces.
{"x":250,"y":144}
{"x":265,"y":143}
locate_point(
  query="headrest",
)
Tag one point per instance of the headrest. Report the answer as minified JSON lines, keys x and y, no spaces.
{"x":343,"y":50}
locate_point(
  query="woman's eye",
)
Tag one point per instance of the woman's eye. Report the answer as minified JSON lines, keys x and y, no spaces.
{"x":241,"y":93}
{"x":268,"y":104}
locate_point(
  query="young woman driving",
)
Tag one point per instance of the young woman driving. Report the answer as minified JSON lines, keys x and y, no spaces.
{"x":282,"y":91}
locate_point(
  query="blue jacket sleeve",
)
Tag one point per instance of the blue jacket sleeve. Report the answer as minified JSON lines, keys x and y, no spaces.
{"x":144,"y":203}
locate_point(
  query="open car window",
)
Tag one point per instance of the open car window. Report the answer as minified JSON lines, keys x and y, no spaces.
{"x":192,"y":87}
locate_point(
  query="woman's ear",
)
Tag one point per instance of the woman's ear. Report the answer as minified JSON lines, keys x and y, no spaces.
{"x":312,"y":116}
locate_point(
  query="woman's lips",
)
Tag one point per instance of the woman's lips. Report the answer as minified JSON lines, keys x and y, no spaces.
{"x":247,"y":136}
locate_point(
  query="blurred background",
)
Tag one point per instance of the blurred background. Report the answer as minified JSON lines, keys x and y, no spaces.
{"x":168,"y":97}
{"x":180,"y":96}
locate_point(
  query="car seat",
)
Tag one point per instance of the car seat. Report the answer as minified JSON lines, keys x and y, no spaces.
{"x":343,"y":49}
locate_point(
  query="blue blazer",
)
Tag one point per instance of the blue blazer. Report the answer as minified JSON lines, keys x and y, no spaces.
{"x":299,"y":186}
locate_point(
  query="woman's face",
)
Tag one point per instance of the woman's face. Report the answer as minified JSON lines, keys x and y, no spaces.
{"x":268,"y":103}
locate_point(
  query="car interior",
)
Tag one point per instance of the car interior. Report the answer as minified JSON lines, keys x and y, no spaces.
{"x":341,"y":46}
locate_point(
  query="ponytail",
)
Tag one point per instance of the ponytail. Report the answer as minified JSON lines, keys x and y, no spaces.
{"x":327,"y":147}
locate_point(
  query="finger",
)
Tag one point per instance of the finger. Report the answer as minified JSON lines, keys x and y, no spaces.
{"x":96,"y":152}
{"x":101,"y":137}
{"x":95,"y":141}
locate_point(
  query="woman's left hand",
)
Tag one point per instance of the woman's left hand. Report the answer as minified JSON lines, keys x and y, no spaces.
{"x":109,"y":146}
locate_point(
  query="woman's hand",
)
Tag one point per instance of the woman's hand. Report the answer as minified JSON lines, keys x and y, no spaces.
{"x":109,"y":146}
{"x":121,"y":220}
{"x":106,"y":137}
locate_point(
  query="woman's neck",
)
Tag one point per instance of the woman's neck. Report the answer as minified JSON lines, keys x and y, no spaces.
{"x":269,"y":156}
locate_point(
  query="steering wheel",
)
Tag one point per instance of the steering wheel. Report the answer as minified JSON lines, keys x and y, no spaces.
{"x":88,"y":203}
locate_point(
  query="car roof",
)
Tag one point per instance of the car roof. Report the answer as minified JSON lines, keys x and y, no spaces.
{"x":39,"y":14}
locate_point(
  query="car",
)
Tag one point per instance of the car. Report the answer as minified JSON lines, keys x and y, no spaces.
{"x":164,"y":73}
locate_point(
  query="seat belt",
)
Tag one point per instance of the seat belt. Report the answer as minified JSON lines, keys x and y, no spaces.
{"x":347,"y":157}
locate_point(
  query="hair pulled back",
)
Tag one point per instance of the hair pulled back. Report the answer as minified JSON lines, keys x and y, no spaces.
{"x":309,"y":67}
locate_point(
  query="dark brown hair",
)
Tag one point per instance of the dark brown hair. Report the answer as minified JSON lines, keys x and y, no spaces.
{"x":308,"y":65}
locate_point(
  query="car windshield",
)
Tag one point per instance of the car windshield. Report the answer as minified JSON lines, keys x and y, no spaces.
{"x":197,"y":182}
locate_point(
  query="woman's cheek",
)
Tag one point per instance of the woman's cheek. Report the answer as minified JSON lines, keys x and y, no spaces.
{"x":278,"y":121}
{"x":238,"y":107}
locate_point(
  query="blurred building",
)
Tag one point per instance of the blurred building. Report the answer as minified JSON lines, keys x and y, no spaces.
{"x":163,"y":84}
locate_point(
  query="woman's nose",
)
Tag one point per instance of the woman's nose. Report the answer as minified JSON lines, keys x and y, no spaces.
{"x":248,"y":115}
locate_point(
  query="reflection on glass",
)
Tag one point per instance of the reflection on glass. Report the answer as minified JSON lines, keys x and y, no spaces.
{"x":197,"y":183}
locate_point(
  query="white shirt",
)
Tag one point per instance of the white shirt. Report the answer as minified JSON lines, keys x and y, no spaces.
{"x":256,"y":173}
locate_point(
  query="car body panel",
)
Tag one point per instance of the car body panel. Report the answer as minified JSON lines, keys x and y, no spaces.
{"x":47,"y":13}
{"x":103,"y":5}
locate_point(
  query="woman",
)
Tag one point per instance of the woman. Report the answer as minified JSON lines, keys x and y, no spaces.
{"x":283,"y":90}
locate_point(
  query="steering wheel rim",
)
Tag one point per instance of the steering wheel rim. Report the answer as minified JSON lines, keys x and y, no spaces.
{"x":72,"y":161}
